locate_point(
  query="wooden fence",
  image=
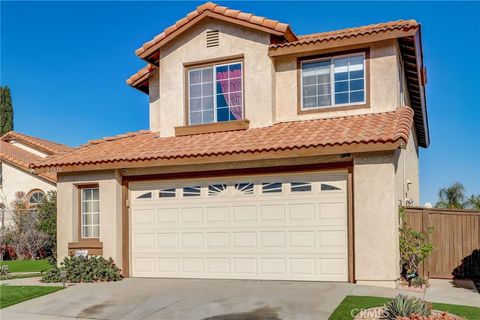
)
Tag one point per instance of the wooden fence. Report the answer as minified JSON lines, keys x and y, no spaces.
{"x":455,"y":237}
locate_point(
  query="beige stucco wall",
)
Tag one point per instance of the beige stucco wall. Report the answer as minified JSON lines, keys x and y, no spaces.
{"x":154,"y":100}
{"x":110,"y":192}
{"x":383,"y":78}
{"x":16,"y":179}
{"x":407,"y":178}
{"x":190,"y":48}
{"x":376,"y":219}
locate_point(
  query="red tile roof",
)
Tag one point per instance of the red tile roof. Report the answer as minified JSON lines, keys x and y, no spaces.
{"x":214,"y":10}
{"x":21,"y":158}
{"x":141,"y":75}
{"x":380,"y":129}
{"x":402,"y":25}
{"x":42,"y":144}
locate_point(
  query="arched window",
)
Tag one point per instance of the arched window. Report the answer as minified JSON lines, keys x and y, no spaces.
{"x":35,"y":197}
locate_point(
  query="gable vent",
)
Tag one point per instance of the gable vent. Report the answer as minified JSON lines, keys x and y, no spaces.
{"x":212,"y":38}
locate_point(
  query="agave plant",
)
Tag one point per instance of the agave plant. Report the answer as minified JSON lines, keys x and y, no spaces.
{"x":405,"y":306}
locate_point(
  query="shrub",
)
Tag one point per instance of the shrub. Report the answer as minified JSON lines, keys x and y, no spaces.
{"x":84,"y":269}
{"x":404,"y":306}
{"x":26,"y":239}
{"x":419,"y":281}
{"x":415,"y":247}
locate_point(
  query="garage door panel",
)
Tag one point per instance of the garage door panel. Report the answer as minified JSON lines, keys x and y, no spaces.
{"x":167,"y":265}
{"x":302,"y":239}
{"x":192,"y":240}
{"x":166,"y":216}
{"x":303,"y":213}
{"x":285,"y":228}
{"x":167,"y":240}
{"x":244,"y":240}
{"x":297,"y":267}
{"x":243,"y":214}
{"x":193,"y":265}
{"x":218,"y":240}
{"x":192,"y":215}
{"x":272,"y":214}
{"x":218,"y":215}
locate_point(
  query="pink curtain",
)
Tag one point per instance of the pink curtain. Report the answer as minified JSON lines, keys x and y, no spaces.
{"x":234,"y":100}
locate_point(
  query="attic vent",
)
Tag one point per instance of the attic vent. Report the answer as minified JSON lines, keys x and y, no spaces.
{"x":212,"y":38}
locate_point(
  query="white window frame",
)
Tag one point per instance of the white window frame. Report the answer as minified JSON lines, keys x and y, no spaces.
{"x":82,"y":213}
{"x":332,"y":81}
{"x":213,"y":66}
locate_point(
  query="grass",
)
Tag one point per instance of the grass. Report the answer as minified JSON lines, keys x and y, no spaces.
{"x":10,"y":295}
{"x":344,"y":309}
{"x":26,"y":265}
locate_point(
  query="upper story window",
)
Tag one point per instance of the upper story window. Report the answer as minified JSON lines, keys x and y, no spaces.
{"x":215,"y":93}
{"x":332,"y":82}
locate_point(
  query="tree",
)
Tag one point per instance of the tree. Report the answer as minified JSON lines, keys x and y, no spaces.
{"x":474,"y":202}
{"x":6,"y":111}
{"x":27,"y":239}
{"x":47,"y":221}
{"x":452,"y":197}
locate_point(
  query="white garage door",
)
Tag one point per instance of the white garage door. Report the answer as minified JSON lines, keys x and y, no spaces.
{"x":285,"y":227}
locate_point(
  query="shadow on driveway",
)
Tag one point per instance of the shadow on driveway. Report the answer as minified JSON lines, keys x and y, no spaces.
{"x":265,"y":313}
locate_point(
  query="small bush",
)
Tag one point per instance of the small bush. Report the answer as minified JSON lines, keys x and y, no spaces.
{"x":404,"y":306}
{"x":84,"y":269}
{"x":419,"y":281}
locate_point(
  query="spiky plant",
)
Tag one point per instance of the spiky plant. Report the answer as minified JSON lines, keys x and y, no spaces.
{"x":405,"y":306}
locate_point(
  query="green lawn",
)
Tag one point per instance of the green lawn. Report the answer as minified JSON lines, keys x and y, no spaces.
{"x":26,"y":265}
{"x":343,"y":311}
{"x":10,"y":295}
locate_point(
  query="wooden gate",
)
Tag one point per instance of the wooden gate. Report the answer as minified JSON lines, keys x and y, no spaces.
{"x":455,"y":235}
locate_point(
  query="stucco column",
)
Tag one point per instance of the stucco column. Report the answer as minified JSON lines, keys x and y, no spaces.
{"x":376,"y":220}
{"x":111,"y":217}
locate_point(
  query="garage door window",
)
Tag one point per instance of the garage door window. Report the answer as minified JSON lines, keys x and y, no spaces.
{"x":217,"y":190}
{"x":167,"y":193}
{"x":244,"y":188}
{"x":272,"y":187}
{"x":328,"y":187}
{"x":147,"y":195}
{"x":193,"y":191}
{"x":300,"y":187}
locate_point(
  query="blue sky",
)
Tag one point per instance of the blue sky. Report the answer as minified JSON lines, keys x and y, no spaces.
{"x":66,"y":64}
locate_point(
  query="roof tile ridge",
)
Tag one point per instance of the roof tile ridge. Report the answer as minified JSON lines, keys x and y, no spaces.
{"x":115,"y":137}
{"x":365,"y":27}
{"x":404,"y":123}
{"x":338,"y":117}
{"x":34,"y":140}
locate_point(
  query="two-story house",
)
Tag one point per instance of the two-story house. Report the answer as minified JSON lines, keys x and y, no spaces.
{"x":270,"y":155}
{"x":17,"y":152}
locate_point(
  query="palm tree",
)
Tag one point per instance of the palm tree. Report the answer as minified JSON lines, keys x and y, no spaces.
{"x":452,"y":197}
{"x":474,"y":202}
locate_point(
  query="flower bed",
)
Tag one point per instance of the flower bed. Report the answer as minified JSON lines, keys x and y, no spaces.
{"x":377,"y":312}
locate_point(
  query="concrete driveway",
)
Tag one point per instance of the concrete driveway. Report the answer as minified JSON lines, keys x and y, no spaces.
{"x":135,"y":298}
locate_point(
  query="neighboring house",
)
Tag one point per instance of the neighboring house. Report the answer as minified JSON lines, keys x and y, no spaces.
{"x":269,"y":156}
{"x":17,"y":152}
